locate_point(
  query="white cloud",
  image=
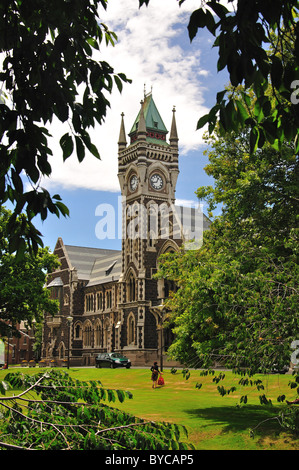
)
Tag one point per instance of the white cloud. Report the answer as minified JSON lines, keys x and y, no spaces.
{"x":187,"y":203}
{"x":149,"y":52}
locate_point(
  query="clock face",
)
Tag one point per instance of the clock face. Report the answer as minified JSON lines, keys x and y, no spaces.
{"x":133,"y":183}
{"x":156,"y":181}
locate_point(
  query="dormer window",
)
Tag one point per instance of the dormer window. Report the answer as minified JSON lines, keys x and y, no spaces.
{"x":56,"y":287}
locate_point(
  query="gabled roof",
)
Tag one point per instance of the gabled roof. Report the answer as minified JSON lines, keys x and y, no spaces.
{"x":57,"y":282}
{"x":83,"y":258}
{"x":153,"y":120}
{"x":106,"y":269}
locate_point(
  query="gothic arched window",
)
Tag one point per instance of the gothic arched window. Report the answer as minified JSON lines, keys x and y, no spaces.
{"x":109,"y":298}
{"x":131,"y":329}
{"x":89,"y":303}
{"x":106,"y":333}
{"x":78,"y":331}
{"x":100,"y":301}
{"x":132,"y":288}
{"x":87,"y":334}
{"x":98,"y":335}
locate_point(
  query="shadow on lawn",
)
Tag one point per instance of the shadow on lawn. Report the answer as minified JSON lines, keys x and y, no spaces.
{"x":239,"y":418}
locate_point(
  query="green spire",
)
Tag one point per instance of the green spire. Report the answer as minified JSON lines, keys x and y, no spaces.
{"x":155,"y":127}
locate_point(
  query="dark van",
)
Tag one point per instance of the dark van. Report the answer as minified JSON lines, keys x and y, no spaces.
{"x":112,"y":360}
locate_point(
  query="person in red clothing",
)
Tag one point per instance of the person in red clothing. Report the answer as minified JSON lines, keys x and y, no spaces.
{"x":155,"y":374}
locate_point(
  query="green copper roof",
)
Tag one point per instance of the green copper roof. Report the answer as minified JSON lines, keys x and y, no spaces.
{"x":153,"y":120}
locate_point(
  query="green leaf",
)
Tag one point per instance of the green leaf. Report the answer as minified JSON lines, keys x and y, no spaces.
{"x":67,"y":145}
{"x":91,"y":147}
{"x":120,"y":395}
{"x":61,"y":109}
{"x":203,"y":121}
{"x":219,"y":9}
{"x":80,"y":148}
{"x":276,"y":71}
{"x":200,"y":19}
{"x":17,"y":181}
{"x":129,"y":394}
{"x":242,"y":112}
{"x":118,"y":83}
{"x":93,"y":42}
{"x":254,"y":139}
{"x":63,"y":209}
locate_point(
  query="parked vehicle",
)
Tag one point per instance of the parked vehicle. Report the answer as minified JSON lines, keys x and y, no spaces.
{"x":112,"y":360}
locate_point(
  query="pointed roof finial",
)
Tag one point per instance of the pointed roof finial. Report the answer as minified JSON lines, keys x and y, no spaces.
{"x":122,"y":141}
{"x":173,"y":138}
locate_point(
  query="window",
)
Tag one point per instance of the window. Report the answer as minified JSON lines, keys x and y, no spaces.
{"x":89,"y":303}
{"x":56,"y":292}
{"x":109,"y":299}
{"x":106,"y":333}
{"x":87,"y":335}
{"x":169,"y":286}
{"x":131,"y":329}
{"x":131,"y":288}
{"x":100,"y":301}
{"x":152,"y":223}
{"x":98,"y":335}
{"x":78,"y":331}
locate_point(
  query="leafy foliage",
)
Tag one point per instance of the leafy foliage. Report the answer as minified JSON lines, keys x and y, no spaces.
{"x":238,"y":294}
{"x":237,"y":303}
{"x":237,"y":299}
{"x":22,"y":279}
{"x":69,"y":415}
{"x":51,"y":70}
{"x":241,"y":33}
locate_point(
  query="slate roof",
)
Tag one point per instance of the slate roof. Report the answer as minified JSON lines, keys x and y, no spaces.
{"x":106,"y":269}
{"x":84,"y":258}
{"x":57,"y":282}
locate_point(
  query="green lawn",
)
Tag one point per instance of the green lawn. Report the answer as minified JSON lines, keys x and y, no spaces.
{"x":213,"y":422}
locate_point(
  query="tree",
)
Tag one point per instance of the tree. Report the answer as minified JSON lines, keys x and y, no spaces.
{"x":51,"y":69}
{"x":22,"y":293}
{"x":262,"y":186}
{"x":70,"y":415}
{"x":242,"y":35}
{"x":236,"y":303}
{"x":238,"y":295}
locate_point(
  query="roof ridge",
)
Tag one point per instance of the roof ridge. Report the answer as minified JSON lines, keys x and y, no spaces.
{"x":93,"y":248}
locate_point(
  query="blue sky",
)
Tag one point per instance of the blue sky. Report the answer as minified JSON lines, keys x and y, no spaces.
{"x":154,"y":51}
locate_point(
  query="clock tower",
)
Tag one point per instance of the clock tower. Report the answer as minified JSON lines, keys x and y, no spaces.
{"x":147,"y":172}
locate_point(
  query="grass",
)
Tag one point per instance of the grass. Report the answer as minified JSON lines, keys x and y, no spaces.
{"x":213,"y":422}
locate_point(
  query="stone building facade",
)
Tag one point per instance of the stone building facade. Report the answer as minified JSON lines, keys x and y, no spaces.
{"x":109,"y":299}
